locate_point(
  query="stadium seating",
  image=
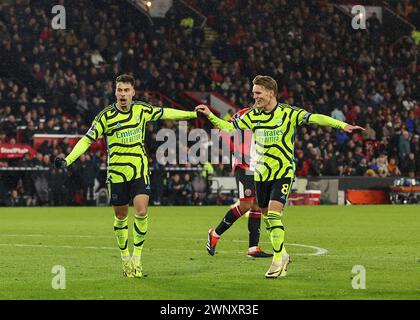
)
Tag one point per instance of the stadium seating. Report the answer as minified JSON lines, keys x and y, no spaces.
{"x":55,"y":81}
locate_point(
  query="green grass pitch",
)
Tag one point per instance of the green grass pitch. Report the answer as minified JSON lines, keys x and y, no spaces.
{"x":325,"y":242}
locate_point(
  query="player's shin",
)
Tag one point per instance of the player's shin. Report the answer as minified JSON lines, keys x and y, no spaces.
{"x":231,"y":216}
{"x":254,"y":222}
{"x":267,"y":224}
{"x":121,"y":234}
{"x":276,"y":234}
{"x":139,"y":234}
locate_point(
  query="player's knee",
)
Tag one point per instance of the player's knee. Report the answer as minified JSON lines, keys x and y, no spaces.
{"x":141,"y":212}
{"x":121,"y":215}
{"x":255,"y":208}
{"x":275,"y":206}
{"x":121,"y":212}
{"x":244,"y":206}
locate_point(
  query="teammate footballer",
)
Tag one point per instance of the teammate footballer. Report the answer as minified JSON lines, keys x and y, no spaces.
{"x":123,"y":124}
{"x":247,"y":203}
{"x":274,"y":125}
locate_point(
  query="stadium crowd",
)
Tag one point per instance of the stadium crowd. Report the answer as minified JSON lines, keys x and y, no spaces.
{"x":57,"y":80}
{"x":408,"y":9}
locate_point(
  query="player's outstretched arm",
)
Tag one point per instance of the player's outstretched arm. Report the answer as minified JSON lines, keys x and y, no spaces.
{"x":217,"y":122}
{"x":96,"y":130}
{"x":80,"y":148}
{"x":175,"y":114}
{"x":327,"y":121}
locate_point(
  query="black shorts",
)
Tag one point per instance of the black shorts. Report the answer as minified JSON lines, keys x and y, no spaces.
{"x":245,"y":183}
{"x":121,"y":193}
{"x":273,"y":190}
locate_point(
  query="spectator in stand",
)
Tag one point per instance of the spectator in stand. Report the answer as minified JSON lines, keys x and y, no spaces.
{"x":26,"y":161}
{"x":37,"y":161}
{"x":15,"y":200}
{"x":175,"y":189}
{"x":3,"y":137}
{"x":382,"y":163}
{"x":221,"y":170}
{"x":373,"y":166}
{"x":361,"y":167}
{"x":404,"y":145}
{"x":188,"y":190}
{"x":56,"y":183}
{"x":338,"y":114}
{"x":9,"y":126}
{"x":88,"y":171}
{"x":415,"y":145}
{"x":64,"y":145}
{"x":27,"y":135}
{"x":409,"y":166}
{"x":46,"y":161}
{"x":369,"y":133}
{"x":41,"y":128}
{"x":45,"y":147}
{"x":158,"y":180}
{"x":393,"y":167}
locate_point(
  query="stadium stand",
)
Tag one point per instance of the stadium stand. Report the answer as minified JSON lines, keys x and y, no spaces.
{"x":55,"y":81}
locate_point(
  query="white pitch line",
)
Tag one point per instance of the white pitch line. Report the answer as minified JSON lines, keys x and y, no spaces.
{"x":52,"y":246}
{"x":53,"y":235}
{"x":319,"y":251}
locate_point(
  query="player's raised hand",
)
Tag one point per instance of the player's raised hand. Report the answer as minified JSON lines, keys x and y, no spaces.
{"x":60,"y":163}
{"x":349,"y":128}
{"x":202,"y":108}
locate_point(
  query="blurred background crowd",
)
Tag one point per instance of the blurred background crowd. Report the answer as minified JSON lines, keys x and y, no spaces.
{"x":56,"y":81}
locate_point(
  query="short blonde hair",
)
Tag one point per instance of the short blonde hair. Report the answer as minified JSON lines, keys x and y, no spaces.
{"x":267,"y":82}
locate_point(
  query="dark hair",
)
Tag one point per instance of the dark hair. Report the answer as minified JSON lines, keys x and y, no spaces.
{"x":267,"y":82}
{"x":126,"y":78}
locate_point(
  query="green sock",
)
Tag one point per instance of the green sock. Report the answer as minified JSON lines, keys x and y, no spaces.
{"x":121,"y":234}
{"x":139,"y":234}
{"x":276,"y":234}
